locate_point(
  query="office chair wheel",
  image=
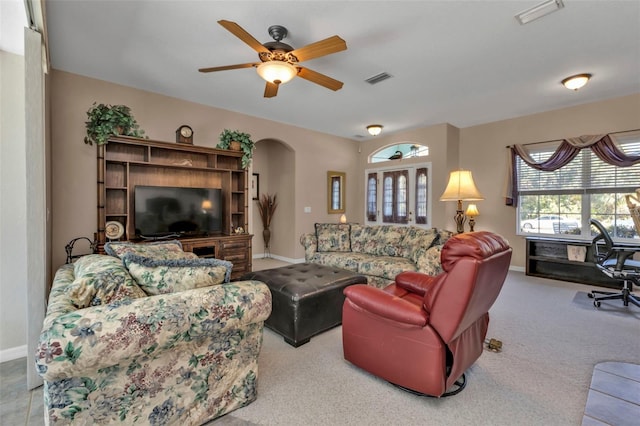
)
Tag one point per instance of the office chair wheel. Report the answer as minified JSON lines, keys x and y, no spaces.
{"x":596,"y":303}
{"x":591,"y":295}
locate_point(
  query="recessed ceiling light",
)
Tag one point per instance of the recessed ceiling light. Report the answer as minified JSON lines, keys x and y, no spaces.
{"x":538,"y":11}
{"x":576,"y":81}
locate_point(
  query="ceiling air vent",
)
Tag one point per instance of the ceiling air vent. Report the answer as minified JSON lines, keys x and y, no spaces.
{"x":378,"y":78}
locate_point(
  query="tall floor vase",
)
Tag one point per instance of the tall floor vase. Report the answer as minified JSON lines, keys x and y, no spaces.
{"x":266,"y":236}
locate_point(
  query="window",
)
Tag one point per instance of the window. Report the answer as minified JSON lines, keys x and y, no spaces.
{"x":563,"y":201}
{"x":335,"y":193}
{"x":399,"y":151}
{"x":372,"y":197}
{"x":404,"y":195}
{"x":395,"y":197}
{"x":421,"y":195}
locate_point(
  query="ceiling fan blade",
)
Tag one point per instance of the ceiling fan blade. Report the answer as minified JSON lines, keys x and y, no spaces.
{"x":239,"y":32}
{"x":321,"y":79}
{"x":228,"y":67}
{"x":270,"y":90}
{"x":320,"y":48}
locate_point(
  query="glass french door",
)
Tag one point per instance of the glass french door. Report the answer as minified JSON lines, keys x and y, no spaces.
{"x":398,"y":195}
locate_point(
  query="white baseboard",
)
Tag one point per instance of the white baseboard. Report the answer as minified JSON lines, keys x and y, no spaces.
{"x":517,"y":268}
{"x":13,"y":353}
{"x":282,"y":258}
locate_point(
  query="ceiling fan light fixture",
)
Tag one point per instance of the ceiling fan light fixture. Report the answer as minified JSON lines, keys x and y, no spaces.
{"x":575,"y":82}
{"x":277,"y":72}
{"x":374,"y":129}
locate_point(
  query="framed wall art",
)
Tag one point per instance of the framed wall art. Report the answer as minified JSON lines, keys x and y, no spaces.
{"x":255,"y":186}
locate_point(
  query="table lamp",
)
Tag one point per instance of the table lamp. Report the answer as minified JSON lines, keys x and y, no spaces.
{"x":472,"y":211}
{"x":461,"y":188}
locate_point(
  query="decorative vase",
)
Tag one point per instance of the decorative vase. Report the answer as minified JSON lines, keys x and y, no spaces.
{"x":235,"y":146}
{"x":266,"y":236}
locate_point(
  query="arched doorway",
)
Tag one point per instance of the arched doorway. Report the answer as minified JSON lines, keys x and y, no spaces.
{"x":274,"y":164}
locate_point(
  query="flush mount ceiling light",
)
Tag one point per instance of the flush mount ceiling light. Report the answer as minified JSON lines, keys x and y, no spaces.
{"x":277,"y":72}
{"x":538,"y":11}
{"x":576,"y":81}
{"x":374,"y":129}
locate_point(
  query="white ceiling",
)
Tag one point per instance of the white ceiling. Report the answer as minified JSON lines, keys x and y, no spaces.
{"x":13,"y":19}
{"x":459,"y":62}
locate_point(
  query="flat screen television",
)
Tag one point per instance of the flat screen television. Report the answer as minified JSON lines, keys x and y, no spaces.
{"x":163,"y":211}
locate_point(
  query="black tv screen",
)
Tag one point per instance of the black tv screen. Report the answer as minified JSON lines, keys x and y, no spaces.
{"x":173,"y":211}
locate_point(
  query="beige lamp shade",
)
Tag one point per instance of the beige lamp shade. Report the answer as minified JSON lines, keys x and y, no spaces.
{"x":343,"y":218}
{"x":461,"y":187}
{"x":472,"y":210}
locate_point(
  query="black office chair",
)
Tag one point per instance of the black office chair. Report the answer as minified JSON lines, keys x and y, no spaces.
{"x":615,"y":262}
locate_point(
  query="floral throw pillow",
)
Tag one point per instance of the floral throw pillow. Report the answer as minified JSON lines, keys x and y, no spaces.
{"x":416,"y":241}
{"x":158,"y":250}
{"x":100,"y":280}
{"x":333,"y":236}
{"x":365,"y":238}
{"x":443,"y":236}
{"x":429,"y":261}
{"x":162,"y":276}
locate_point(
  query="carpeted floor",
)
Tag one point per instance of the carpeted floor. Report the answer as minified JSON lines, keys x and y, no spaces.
{"x":551,"y":343}
{"x":613,"y":307}
{"x":552,"y":338}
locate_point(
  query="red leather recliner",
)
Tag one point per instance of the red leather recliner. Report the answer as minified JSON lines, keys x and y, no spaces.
{"x":422,"y":332}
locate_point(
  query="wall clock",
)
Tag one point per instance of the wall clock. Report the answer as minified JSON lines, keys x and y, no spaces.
{"x":184,"y":134}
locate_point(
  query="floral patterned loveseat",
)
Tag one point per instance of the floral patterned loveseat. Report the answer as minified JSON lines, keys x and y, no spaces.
{"x":150,"y":335}
{"x":378,"y":251}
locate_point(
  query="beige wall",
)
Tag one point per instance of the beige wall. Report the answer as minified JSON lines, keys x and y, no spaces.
{"x":293,"y":162}
{"x":74,"y":163}
{"x":442,"y":140}
{"x":274,"y":161}
{"x":483,"y":151}
{"x":13,"y":206}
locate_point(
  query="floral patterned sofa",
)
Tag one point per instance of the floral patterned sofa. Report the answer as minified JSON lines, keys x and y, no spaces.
{"x":149,"y":335}
{"x":378,"y":251}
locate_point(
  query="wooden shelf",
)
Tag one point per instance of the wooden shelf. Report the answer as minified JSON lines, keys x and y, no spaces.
{"x":125,"y":162}
{"x":547,"y":258}
{"x":233,"y":248}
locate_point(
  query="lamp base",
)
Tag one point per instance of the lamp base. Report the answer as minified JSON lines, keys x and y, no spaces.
{"x":460,"y":219}
{"x":472,"y":223}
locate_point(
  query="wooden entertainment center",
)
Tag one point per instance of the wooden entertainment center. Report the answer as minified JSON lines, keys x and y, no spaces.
{"x":125,"y":162}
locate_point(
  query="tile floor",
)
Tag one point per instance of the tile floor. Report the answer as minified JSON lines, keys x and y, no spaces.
{"x":614,"y":395}
{"x":18,"y":406}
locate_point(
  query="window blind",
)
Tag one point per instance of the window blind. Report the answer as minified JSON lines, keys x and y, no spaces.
{"x":585,"y":173}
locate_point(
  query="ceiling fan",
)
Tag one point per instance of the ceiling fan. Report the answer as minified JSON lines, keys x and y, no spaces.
{"x":280,"y":62}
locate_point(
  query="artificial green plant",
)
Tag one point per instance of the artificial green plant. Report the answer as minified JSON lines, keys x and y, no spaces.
{"x":246,"y":144}
{"x":105,"y":121}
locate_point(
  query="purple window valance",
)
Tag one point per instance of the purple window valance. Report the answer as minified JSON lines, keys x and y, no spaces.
{"x":603,"y":146}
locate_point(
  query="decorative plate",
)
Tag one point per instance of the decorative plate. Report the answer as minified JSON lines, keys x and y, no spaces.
{"x":113,"y":230}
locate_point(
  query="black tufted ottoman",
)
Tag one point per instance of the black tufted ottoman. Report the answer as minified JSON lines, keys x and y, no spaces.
{"x":307,"y":298}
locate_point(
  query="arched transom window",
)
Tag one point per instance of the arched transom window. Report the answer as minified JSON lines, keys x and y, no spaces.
{"x":399,"y":151}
